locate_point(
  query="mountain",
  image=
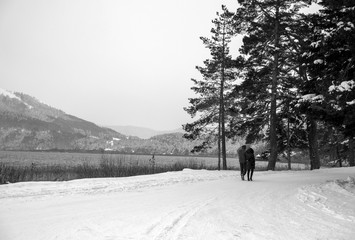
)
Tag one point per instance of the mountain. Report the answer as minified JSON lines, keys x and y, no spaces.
{"x":28,"y":124}
{"x":141,"y":132}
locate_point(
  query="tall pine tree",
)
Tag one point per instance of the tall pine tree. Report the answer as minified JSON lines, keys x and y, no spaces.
{"x":268,"y":64}
{"x":210,"y":105}
{"x":331,"y":57}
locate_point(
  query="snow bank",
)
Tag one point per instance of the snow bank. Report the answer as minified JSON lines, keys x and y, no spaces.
{"x":43,"y":190}
{"x":335,"y":198}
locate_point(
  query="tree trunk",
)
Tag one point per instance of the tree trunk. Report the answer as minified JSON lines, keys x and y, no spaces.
{"x":222,"y":111}
{"x":223,"y":131}
{"x":219,"y":142}
{"x":313,"y":144}
{"x":351,"y":138}
{"x":224,"y":151}
{"x":288,"y":137}
{"x":338,"y":156}
{"x":273,"y":115}
{"x":351,"y":152}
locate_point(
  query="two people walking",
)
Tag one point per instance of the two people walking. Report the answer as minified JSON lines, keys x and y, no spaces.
{"x":246,"y":161}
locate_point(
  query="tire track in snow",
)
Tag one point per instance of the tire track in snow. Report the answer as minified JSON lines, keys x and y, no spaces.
{"x":171,"y":225}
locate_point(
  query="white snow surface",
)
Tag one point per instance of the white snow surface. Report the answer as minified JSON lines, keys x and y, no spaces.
{"x":12,"y":95}
{"x":191,"y":204}
{"x":9,"y":94}
{"x":345,"y":86}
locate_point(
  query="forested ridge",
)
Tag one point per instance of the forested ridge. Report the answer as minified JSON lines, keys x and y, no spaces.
{"x":28,"y":124}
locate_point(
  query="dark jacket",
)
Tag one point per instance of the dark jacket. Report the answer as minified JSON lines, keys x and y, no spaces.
{"x":250,"y":158}
{"x":241,"y":155}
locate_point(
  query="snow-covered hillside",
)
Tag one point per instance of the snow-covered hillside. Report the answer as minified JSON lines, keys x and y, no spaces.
{"x":192,"y":204}
{"x":9,"y":94}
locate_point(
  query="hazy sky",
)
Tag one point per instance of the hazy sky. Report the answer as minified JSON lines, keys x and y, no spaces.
{"x":112,"y":62}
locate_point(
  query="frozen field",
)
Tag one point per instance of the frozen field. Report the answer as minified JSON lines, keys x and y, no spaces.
{"x":192,"y":204}
{"x":19,"y":158}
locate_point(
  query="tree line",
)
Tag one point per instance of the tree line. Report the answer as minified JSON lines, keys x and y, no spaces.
{"x":292,"y":83}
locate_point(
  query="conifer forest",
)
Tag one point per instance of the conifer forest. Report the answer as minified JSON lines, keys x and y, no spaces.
{"x":291,"y":84}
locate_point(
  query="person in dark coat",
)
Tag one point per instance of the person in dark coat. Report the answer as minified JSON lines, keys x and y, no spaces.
{"x":250,"y":163}
{"x":242,"y":161}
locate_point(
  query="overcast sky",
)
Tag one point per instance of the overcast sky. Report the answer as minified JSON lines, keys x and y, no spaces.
{"x":112,"y":62}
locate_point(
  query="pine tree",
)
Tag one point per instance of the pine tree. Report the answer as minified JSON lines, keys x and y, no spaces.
{"x":331,"y":87}
{"x":269,"y":63}
{"x":213,"y":88}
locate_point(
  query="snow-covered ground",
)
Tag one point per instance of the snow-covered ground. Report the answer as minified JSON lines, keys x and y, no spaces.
{"x":192,"y":204}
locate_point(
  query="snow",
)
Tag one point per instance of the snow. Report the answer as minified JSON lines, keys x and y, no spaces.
{"x":312,"y":97}
{"x":326,"y":33}
{"x":345,"y":86}
{"x":318,"y":61}
{"x":316,"y":44}
{"x":9,"y":94}
{"x":346,"y":26}
{"x":191,"y":204}
{"x":347,"y":29}
{"x":340,"y":24}
{"x":12,"y":95}
{"x":347,"y":9}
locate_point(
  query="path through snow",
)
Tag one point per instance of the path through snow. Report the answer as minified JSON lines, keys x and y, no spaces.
{"x":192,"y":204}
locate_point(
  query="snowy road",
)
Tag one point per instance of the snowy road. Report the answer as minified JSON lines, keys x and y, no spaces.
{"x":192,"y":204}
